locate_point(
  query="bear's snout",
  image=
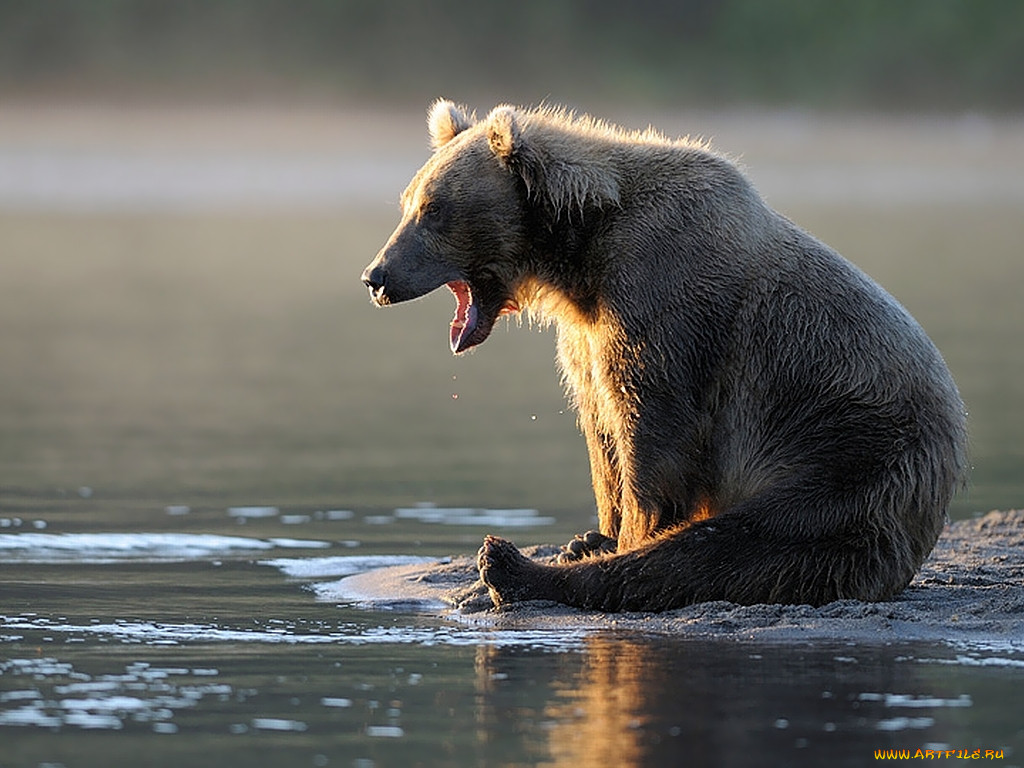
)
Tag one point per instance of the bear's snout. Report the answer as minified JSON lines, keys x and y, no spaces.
{"x":375,"y":278}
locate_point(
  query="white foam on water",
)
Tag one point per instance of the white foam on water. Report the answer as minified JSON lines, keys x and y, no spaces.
{"x":141,"y":694}
{"x":428,"y":513}
{"x":29,"y":715}
{"x":983,"y":652}
{"x":29,"y":693}
{"x":488,"y":518}
{"x":95,"y":686}
{"x":990,"y":645}
{"x":385,"y":731}
{"x":339,"y":514}
{"x":278,"y":724}
{"x":104,"y":704}
{"x":338,"y":592}
{"x":336,"y":702}
{"x":990,"y":661}
{"x":327,"y":567}
{"x":499,"y":519}
{"x":99,"y":548}
{"x":904,"y":723}
{"x":151,"y":633}
{"x":916,"y":702}
{"x":299,"y":543}
{"x":253,"y":512}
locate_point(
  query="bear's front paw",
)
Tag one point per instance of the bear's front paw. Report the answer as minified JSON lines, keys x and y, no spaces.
{"x":505,"y":571}
{"x":585,"y":544}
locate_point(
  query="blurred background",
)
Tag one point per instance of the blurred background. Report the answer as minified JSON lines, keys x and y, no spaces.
{"x":189,"y":191}
{"x":917,"y":54}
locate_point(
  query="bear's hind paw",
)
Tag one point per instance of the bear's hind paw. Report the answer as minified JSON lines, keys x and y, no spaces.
{"x":505,"y":571}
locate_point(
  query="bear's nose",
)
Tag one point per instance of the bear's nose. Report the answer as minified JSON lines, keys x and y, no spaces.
{"x":374,"y":279}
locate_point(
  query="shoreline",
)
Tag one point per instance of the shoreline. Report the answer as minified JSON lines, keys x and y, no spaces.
{"x":970,"y":590}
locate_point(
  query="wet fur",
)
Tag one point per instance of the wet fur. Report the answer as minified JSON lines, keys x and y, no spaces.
{"x":764,"y":422}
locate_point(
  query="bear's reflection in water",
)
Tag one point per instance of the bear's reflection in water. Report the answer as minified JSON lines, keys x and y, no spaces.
{"x":652,"y":702}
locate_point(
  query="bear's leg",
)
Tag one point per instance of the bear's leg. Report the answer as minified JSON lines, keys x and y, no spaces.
{"x":601,"y":583}
{"x":606,"y":478}
{"x":728,"y":558}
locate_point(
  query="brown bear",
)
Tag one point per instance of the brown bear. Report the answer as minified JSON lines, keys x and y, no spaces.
{"x":764,"y":422}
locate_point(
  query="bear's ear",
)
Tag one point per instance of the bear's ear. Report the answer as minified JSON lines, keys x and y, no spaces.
{"x":504,"y":136}
{"x":563,"y":172}
{"x":511,"y":148}
{"x":446,"y":121}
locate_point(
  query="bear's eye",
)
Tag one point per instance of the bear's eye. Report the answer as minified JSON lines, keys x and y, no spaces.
{"x":430,"y":212}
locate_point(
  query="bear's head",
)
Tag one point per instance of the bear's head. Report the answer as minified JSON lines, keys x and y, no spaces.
{"x":468,"y":213}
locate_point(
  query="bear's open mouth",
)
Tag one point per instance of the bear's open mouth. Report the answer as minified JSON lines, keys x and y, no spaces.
{"x":470,"y":326}
{"x":466,"y":314}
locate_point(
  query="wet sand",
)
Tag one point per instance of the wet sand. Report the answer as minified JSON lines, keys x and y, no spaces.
{"x":971,"y":589}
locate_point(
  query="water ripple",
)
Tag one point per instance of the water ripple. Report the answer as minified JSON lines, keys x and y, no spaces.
{"x":154,"y":633}
{"x":99,"y":548}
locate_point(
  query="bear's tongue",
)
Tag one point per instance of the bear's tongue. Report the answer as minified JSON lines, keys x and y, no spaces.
{"x":464,"y":322}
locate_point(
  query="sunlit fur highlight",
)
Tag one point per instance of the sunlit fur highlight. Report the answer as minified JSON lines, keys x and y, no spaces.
{"x":764,"y":423}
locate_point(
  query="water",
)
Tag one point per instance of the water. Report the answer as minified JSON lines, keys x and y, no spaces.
{"x":203,"y":426}
{"x":197,"y":649}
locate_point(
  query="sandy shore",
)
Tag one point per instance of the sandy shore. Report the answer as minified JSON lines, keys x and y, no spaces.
{"x":971,"y":589}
